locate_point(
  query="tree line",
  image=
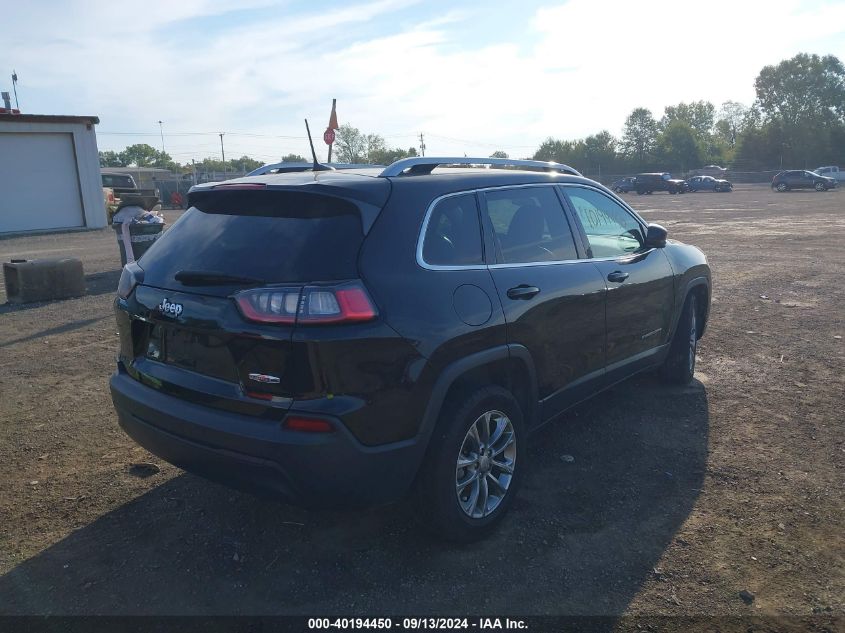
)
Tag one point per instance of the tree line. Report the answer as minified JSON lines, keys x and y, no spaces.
{"x":796,"y":121}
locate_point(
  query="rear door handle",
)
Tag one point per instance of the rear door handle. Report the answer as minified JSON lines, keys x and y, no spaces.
{"x":618,"y":276}
{"x":523,"y":292}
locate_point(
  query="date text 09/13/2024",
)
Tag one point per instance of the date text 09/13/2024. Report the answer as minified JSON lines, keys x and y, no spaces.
{"x":430,"y":623}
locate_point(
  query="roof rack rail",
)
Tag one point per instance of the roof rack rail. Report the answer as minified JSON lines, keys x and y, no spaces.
{"x":283,"y":168}
{"x":425,"y":165}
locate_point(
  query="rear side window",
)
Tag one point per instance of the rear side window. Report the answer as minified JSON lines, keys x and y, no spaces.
{"x":276,"y":237}
{"x":453,"y":234}
{"x":530,"y":225}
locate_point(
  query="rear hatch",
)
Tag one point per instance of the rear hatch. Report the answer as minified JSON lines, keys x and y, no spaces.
{"x":222,"y":290}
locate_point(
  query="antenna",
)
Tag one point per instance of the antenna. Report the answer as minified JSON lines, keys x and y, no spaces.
{"x":317,"y":165}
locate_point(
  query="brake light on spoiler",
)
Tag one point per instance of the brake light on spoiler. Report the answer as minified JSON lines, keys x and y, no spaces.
{"x":347,"y":302}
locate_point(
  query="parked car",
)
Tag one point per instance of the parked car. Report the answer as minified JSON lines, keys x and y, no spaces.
{"x":710,"y":170}
{"x":708,"y":183}
{"x":831,"y":171}
{"x":346,"y":338}
{"x":801,"y":179}
{"x":625,"y":185}
{"x":661,"y":181}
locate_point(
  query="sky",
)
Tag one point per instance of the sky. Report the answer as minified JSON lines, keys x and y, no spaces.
{"x":473,"y":77}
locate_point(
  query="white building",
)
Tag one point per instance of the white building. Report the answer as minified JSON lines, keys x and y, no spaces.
{"x":49,"y":173}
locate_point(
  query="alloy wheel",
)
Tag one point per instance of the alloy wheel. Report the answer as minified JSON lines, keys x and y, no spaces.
{"x":485,"y":464}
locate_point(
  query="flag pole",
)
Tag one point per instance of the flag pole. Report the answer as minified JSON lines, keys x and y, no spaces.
{"x":332,"y":125}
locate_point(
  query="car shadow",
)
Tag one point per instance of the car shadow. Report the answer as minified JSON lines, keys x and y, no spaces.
{"x":608,"y":487}
{"x":53,"y":331}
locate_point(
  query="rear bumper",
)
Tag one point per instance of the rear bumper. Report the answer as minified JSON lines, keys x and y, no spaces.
{"x":316,"y":470}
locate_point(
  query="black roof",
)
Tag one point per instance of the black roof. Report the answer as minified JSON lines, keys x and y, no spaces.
{"x":366,"y":185}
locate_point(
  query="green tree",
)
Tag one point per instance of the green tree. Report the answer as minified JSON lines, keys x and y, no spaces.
{"x":556,"y":150}
{"x":353,"y":146}
{"x":699,"y":115}
{"x":211,"y":164}
{"x":499,"y":154}
{"x":293,"y":158}
{"x":805,"y":87}
{"x":245,"y":164}
{"x":600,"y":151}
{"x":732,"y":119}
{"x":640,"y":136}
{"x":390,"y":155}
{"x":679,"y":146}
{"x":802,"y":103}
{"x":141,"y":155}
{"x":111,"y":159}
{"x":350,"y":145}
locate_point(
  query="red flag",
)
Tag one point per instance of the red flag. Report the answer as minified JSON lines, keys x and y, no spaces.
{"x":333,"y":118}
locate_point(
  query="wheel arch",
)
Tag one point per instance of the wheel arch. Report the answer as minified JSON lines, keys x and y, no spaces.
{"x":508,"y":366}
{"x":700,"y":286}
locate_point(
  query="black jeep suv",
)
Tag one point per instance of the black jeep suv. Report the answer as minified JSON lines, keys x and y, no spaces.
{"x":662,"y":181}
{"x":344,"y":338}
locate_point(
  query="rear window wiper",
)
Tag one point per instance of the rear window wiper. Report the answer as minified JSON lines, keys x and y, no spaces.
{"x":204,"y":278}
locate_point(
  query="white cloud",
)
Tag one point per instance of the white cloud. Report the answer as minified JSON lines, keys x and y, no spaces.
{"x":566,"y":70}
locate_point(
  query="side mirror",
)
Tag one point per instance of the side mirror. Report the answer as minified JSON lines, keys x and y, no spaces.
{"x":655,"y":236}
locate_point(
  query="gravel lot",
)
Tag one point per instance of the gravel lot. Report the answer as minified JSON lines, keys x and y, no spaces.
{"x":676,"y":502}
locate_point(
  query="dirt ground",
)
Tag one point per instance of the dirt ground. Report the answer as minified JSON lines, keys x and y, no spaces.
{"x":678,"y":499}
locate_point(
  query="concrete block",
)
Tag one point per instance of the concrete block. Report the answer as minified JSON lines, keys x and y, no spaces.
{"x":43,"y":279}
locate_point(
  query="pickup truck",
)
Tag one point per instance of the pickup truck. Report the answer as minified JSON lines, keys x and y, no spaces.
{"x":116,"y":184}
{"x":831,"y":171}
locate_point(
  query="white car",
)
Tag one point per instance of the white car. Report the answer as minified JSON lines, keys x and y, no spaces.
{"x":831,"y":171}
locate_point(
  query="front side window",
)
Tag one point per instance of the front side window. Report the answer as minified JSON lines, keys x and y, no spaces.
{"x":611,"y":230}
{"x":530,"y":225}
{"x":453,"y":235}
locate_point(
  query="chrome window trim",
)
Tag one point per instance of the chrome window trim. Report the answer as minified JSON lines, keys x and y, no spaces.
{"x":421,"y":237}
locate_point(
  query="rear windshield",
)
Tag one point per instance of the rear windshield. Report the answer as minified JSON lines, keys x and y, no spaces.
{"x":275,"y":237}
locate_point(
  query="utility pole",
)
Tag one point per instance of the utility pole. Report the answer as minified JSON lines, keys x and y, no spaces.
{"x":15,"y":88}
{"x":161,"y":129}
{"x":422,"y":144}
{"x":223,"y":152}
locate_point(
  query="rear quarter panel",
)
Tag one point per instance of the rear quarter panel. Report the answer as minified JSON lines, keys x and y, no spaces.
{"x":419,"y":303}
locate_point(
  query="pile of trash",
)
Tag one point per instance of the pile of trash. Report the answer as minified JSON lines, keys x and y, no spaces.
{"x":138,"y":223}
{"x":137,"y":215}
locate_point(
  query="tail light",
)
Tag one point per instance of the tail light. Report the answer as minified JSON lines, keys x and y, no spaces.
{"x":342,"y":303}
{"x":307,"y":425}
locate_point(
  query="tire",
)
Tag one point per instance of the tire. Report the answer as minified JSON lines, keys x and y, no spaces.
{"x":679,"y":366}
{"x":450,"y":497}
{"x":820,"y":186}
{"x":781,"y":187}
